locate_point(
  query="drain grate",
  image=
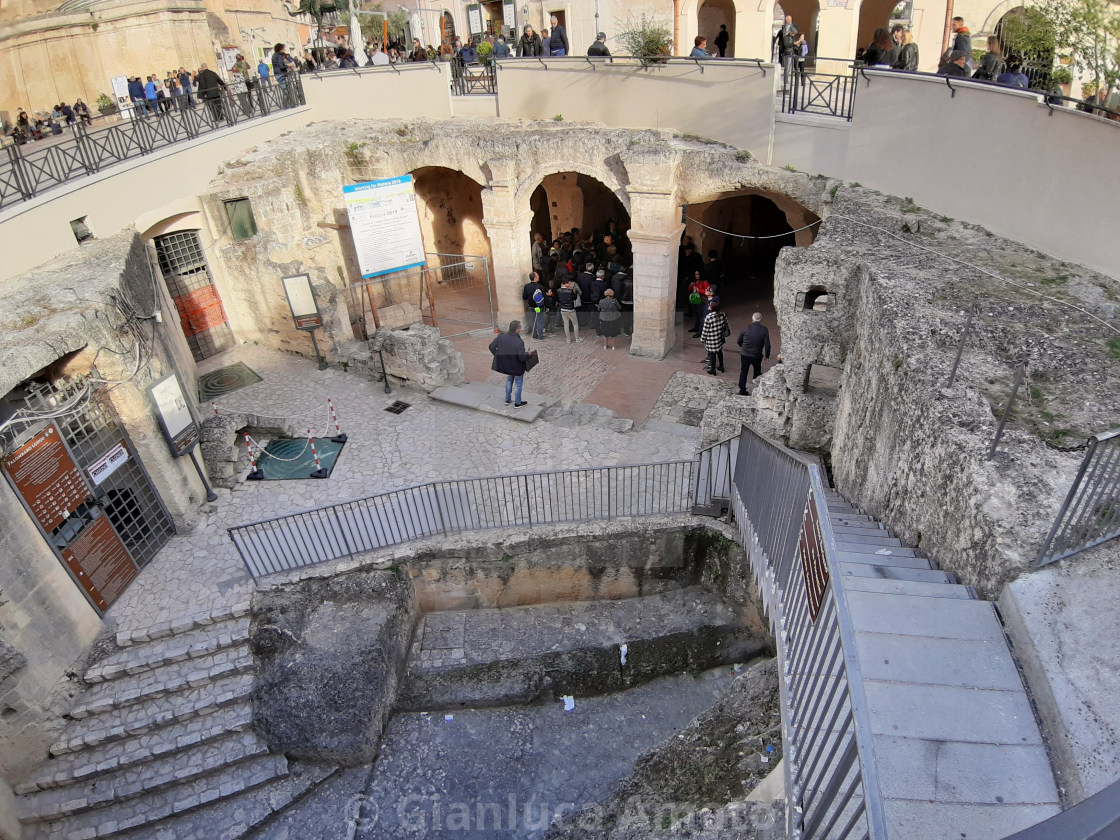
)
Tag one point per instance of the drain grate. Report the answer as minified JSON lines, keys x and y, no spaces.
{"x":397,"y":407}
{"x":223,"y":381}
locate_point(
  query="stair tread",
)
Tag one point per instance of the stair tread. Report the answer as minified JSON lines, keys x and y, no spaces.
{"x":118,"y":817}
{"x":892,"y":572}
{"x":70,"y":767}
{"x":965,"y":663}
{"x":880,"y":612}
{"x":880,"y":540}
{"x":876,"y":550}
{"x":189,"y":644}
{"x":161,"y":680}
{"x":919,"y":589}
{"x":149,"y":776}
{"x":117,"y":724}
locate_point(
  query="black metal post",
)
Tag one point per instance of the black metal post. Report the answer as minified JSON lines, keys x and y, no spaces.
{"x":1010,"y":403}
{"x":384,"y":375}
{"x":960,"y":349}
{"x":211,"y":496}
{"x":318,"y":355}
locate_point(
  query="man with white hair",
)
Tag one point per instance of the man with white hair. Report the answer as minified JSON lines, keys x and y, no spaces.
{"x":754,"y":343}
{"x":558,"y":40}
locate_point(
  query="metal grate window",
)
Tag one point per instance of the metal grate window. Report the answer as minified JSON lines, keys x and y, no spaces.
{"x":183,"y":264}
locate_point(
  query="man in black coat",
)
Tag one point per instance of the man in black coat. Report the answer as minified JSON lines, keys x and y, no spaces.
{"x":598,"y":286}
{"x":537,"y":311}
{"x":210,"y":86}
{"x":510,"y":358}
{"x":754,"y":342}
{"x":558,"y":39}
{"x":584,"y":280}
{"x":529,"y":44}
{"x":600,"y":46}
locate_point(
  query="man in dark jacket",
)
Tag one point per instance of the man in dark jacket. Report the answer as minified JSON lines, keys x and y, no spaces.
{"x":754,"y":343}
{"x":598,"y":286}
{"x":210,"y":86}
{"x":584,"y":280}
{"x":510,"y":358}
{"x":533,"y":295}
{"x":558,"y":40}
{"x":955,"y":66}
{"x":962,"y":42}
{"x":600,"y":46}
{"x":529,"y":44}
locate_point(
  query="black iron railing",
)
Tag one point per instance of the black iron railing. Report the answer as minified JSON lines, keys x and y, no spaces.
{"x":467,"y":79}
{"x":27,"y":171}
{"x":474,"y":504}
{"x":1090,"y":514}
{"x":806,"y":91}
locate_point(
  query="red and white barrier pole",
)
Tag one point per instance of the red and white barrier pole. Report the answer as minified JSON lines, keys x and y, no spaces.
{"x":319,"y":471}
{"x":339,"y":437}
{"x":256,"y":474}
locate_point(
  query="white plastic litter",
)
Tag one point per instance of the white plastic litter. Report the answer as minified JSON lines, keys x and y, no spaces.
{"x":884,"y":551}
{"x":569,"y":702}
{"x":622,"y":649}
{"x":449,"y":717}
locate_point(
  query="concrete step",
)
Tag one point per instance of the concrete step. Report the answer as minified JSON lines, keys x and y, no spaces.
{"x":140,"y":812}
{"x":885,"y":551}
{"x":181,"y":624}
{"x":190,"y":644}
{"x":885,"y":572}
{"x":920,"y":589}
{"x":525,"y":654}
{"x":140,"y":719}
{"x":153,"y":775}
{"x":897,"y":561}
{"x":878,"y":540}
{"x":859,"y":530}
{"x":882,"y":612}
{"x":858,"y":520}
{"x":202,"y":728}
{"x":162,"y":680}
{"x":245,"y":814}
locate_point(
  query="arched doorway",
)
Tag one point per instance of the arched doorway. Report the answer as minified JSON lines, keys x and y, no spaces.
{"x":455,"y":290}
{"x":804,"y":14}
{"x":566,"y":200}
{"x":746,"y":229}
{"x":710,"y":16}
{"x":875,"y":14}
{"x":447,"y":28}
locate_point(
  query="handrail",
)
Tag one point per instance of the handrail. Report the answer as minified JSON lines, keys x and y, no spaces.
{"x":1095,"y":818}
{"x":363,"y":525}
{"x":781,"y":511}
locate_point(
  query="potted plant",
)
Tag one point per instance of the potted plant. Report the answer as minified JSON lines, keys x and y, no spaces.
{"x":106,"y":105}
{"x":485,"y":52}
{"x":648,"y":39}
{"x":1062,"y":78}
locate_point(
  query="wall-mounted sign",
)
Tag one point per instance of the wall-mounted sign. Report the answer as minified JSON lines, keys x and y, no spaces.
{"x":45,"y":475}
{"x":509,"y":16}
{"x":301,"y":300}
{"x":100,"y":562}
{"x":384,"y":225}
{"x":474,"y":19}
{"x":174,"y":414}
{"x":107,"y":464}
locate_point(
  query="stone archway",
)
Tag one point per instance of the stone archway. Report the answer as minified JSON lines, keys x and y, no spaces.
{"x":573,"y":200}
{"x":710,"y":16}
{"x":747,"y":228}
{"x":873,"y":14}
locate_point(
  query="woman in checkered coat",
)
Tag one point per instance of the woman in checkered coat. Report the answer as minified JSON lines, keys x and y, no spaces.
{"x":715,"y":332}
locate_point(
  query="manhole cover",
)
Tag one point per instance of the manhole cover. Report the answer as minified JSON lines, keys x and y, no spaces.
{"x":397,"y":407}
{"x":223,"y":381}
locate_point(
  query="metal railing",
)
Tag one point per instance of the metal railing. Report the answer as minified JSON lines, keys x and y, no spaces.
{"x":1090,"y":513}
{"x":467,"y":79}
{"x":27,"y":171}
{"x":475,"y":504}
{"x":781,"y":512}
{"x":806,"y":91}
{"x":715,"y":466}
{"x":1095,"y":818}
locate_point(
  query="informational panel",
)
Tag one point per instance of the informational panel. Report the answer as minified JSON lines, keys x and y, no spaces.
{"x":174,"y":415}
{"x":509,"y":17}
{"x":100,"y":562}
{"x":120,"y":95}
{"x":474,"y":19}
{"x":47,"y":478}
{"x":301,"y":300}
{"x":384,"y":225}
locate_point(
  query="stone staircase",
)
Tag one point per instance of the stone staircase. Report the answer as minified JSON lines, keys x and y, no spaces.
{"x":160,"y":742}
{"x":957,"y":748}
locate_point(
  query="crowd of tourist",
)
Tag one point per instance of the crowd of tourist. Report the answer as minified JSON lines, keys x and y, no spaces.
{"x":581,"y":282}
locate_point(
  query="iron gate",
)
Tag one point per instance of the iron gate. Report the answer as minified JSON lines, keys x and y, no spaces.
{"x":452,"y":292}
{"x":81,"y":481}
{"x":183,"y":265}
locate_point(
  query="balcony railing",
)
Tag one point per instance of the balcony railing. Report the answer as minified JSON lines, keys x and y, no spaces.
{"x":27,"y":171}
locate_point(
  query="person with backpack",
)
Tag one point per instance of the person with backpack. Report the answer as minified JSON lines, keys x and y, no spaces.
{"x":569,"y":300}
{"x":533,"y":295}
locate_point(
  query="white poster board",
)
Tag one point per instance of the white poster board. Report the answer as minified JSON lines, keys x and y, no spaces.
{"x":384,"y":225}
{"x":509,"y":15}
{"x":120,"y":95}
{"x":474,"y":19}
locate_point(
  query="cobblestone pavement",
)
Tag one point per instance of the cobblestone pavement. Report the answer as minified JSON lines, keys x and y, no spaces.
{"x":200,"y":571}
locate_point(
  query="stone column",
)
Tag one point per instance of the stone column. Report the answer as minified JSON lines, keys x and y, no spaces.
{"x":510,"y":245}
{"x":655,"y":234}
